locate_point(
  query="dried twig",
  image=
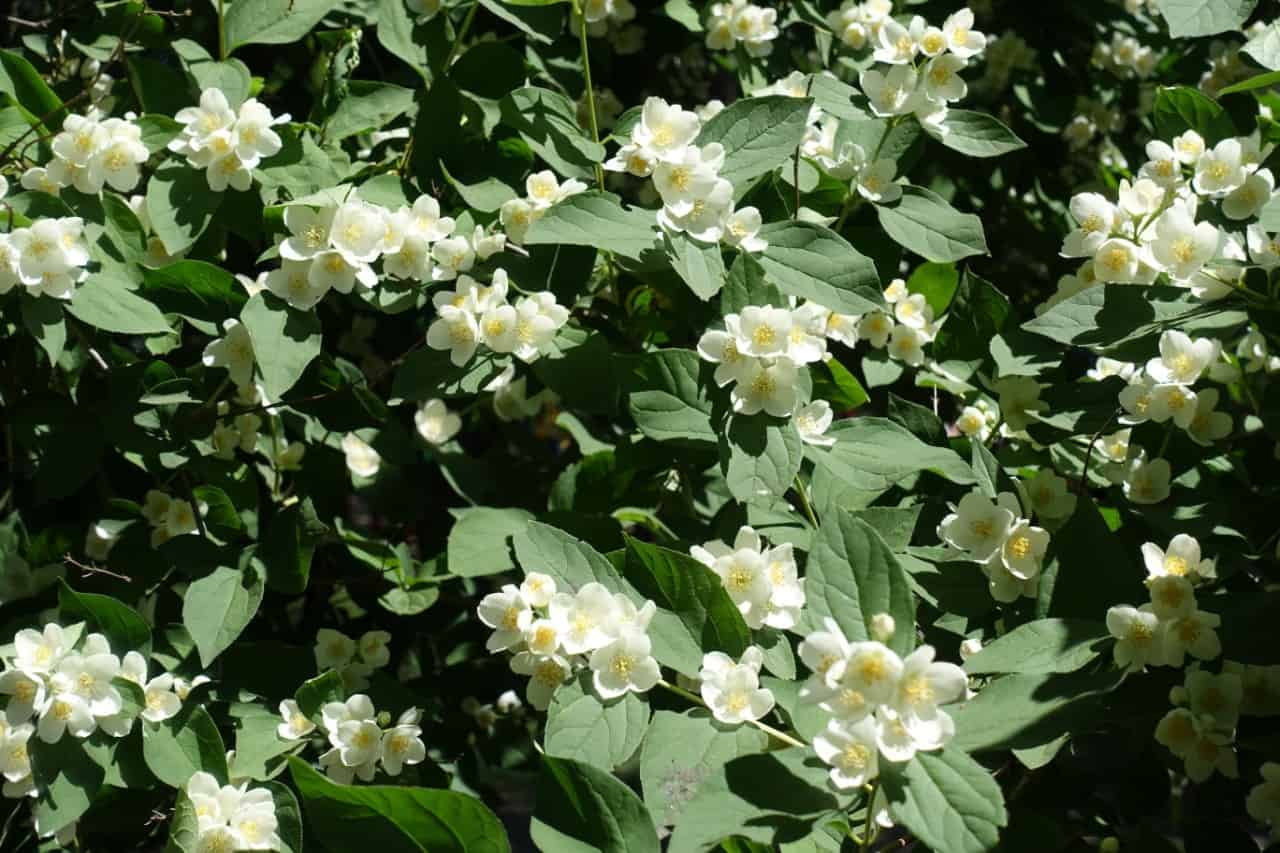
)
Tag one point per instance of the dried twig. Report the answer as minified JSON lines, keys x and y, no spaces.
{"x":90,"y":569}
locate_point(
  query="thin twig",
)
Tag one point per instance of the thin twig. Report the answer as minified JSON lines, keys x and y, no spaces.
{"x":90,"y":569}
{"x":777,"y":734}
{"x":1084,"y":473}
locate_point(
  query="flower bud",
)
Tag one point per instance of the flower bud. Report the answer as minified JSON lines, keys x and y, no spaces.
{"x":1178,"y":695}
{"x":970,"y":647}
{"x":882,"y":627}
{"x":508,"y":703}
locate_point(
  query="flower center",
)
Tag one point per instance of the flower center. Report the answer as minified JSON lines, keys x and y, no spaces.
{"x":854,"y":757}
{"x":1019,"y":546}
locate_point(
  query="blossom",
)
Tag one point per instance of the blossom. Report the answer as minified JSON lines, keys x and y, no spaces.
{"x":813,"y":421}
{"x":890,"y":93}
{"x":742,"y":229}
{"x":455,"y":330}
{"x":978,"y":526}
{"x":435,"y":423}
{"x":665,"y":129}
{"x":333,"y":649}
{"x":402,"y":744}
{"x":1182,"y":359}
{"x":295,"y":724}
{"x":768,"y":386}
{"x":1181,"y":559}
{"x":508,"y":614}
{"x":962,"y":39}
{"x":1248,"y":199}
{"x":546,"y":673}
{"x":1019,"y":396}
{"x":624,"y":665}
{"x":362,"y":460}
{"x":732,"y":689}
{"x":1147,"y":482}
{"x":1194,"y":634}
{"x":1049,"y":495}
{"x":1263,"y":802}
{"x":1220,"y":169}
{"x":234,"y":351}
{"x":851,"y":751}
{"x":1135,"y":631}
{"x":1181,"y":245}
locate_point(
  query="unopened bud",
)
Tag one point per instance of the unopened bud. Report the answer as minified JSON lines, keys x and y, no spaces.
{"x":1178,"y":695}
{"x":882,"y":627}
{"x":970,"y":647}
{"x":508,"y":703}
{"x":384,"y":719}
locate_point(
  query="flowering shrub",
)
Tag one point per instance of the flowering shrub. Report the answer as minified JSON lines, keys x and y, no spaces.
{"x":515,"y":424}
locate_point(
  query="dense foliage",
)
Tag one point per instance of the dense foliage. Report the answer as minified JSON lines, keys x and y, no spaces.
{"x":518,"y":424}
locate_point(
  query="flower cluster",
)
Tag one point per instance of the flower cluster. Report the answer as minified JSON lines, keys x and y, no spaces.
{"x":695,"y":199}
{"x":1263,"y":803}
{"x":552,"y":634}
{"x":334,"y":247}
{"x":358,"y":744}
{"x":925,"y":64}
{"x":1172,"y":626}
{"x":881,"y":705}
{"x":995,"y":535}
{"x":763,"y":582}
{"x":1163,"y":390}
{"x":473,"y":314}
{"x":231,"y":817}
{"x":976,"y":421}
{"x":168,"y":516}
{"x":228,"y":144}
{"x":354,"y":660}
{"x":47,"y":257}
{"x":599,"y":14}
{"x":1201,"y":729}
{"x":59,"y":683}
{"x":1152,"y":226}
{"x":89,"y":153}
{"x":742,"y":22}
{"x":1124,"y":56}
{"x":904,"y":334}
{"x":732,"y":689}
{"x":239,"y":433}
{"x":542,"y":190}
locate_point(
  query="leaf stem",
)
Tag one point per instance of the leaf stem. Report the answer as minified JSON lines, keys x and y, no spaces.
{"x":777,"y":734}
{"x":462,"y":34}
{"x":867,"y":837}
{"x":222,"y":34}
{"x":804,"y":502}
{"x":591,"y":92}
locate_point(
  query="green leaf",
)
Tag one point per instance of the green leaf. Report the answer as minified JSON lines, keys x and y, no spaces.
{"x":583,"y":727}
{"x":922,"y":222}
{"x":948,"y":801}
{"x":180,"y":205}
{"x":937,"y":282}
{"x":315,"y":693}
{"x":394,"y":819}
{"x":758,"y":135}
{"x":813,"y":262}
{"x":199,"y":291}
{"x":1091,"y":565}
{"x":67,"y":780}
{"x":871,"y":455}
{"x":218,"y":607}
{"x":667,"y":399}
{"x":1118,"y":318}
{"x":272,"y":21}
{"x":42,"y":316}
{"x":760,"y":457}
{"x":479,"y":541}
{"x":766,"y":797}
{"x":182,"y":746}
{"x":1187,"y":18}
{"x":285,"y":340}
{"x":571,"y":562}
{"x":221,"y":518}
{"x":976,"y":134}
{"x":581,"y":808}
{"x":231,"y":76}
{"x":1045,"y":645}
{"x":184,"y":826}
{"x":597,"y":220}
{"x":122,"y":626}
{"x":288,"y":817}
{"x":548,"y":122}
{"x":486,"y":196}
{"x":683,"y":749}
{"x":851,"y":576}
{"x":836,"y":98}
{"x":258,"y":745}
{"x":745,"y":285}
{"x":1181,"y":108}
{"x":700,"y":265}
{"x":1258,"y":81}
{"x":977,"y":314}
{"x":398,"y":34}
{"x":695,"y":614}
{"x":20,"y":80}
{"x":287,"y":547}
{"x":1024,"y":710}
{"x":368,"y":106}
{"x":833,"y":382}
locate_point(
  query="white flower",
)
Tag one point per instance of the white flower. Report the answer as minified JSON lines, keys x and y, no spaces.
{"x":812,"y":422}
{"x":64,"y":712}
{"x":732,"y":690}
{"x":851,"y":751}
{"x":962,"y":40}
{"x":296,"y":725}
{"x":896,"y":43}
{"x":452,"y":255}
{"x":292,"y":281}
{"x":1220,"y":170}
{"x":1019,"y":396}
{"x":767,"y":385}
{"x":15,"y":761}
{"x":1263,"y":802}
{"x":160,"y":702}
{"x":254,"y":137}
{"x":455,"y":330}
{"x":1247,"y":200}
{"x":1105,"y":367}
{"x":1181,"y":246}
{"x":435,"y":423}
{"x":876,"y":327}
{"x":374,"y":650}
{"x":665,"y":129}
{"x":546,"y":673}
{"x":873,"y":670}
{"x":1023,"y":550}
{"x":544,"y":189}
{"x":362,"y":460}
{"x":1147,"y":482}
{"x":624,"y":665}
{"x":508,"y":614}
{"x":890,"y":93}
{"x":334,"y":714}
{"x":942,"y":80}
{"x":588,"y":617}
{"x":721,"y":349}
{"x":358,"y":742}
{"x":687,"y":176}
{"x":333,"y":649}
{"x":40,"y":651}
{"x":825,"y":652}
{"x":516,"y":215}
{"x":1162,"y":164}
{"x":970,"y":647}
{"x":1211,"y":751}
{"x":234,"y":351}
{"x":742,"y":229}
{"x":745,"y":575}
{"x":907,"y":345}
{"x":1118,"y":260}
{"x":402,"y":744}
{"x":1049,"y":495}
{"x":1137,"y":636}
{"x":1180,"y":559}
{"x":978,"y":526}
{"x":1182,"y":359}
{"x":1177,"y":731}
{"x":923,"y":686}
{"x":1171,"y":596}
{"x":538,"y":589}
{"x":308,"y":232}
{"x":1208,"y":425}
{"x":875,"y":181}
{"x":1215,"y":698}
{"x":26,"y":693}
{"x":1194,"y":634}
{"x":972,"y":422}
{"x":330,"y":270}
